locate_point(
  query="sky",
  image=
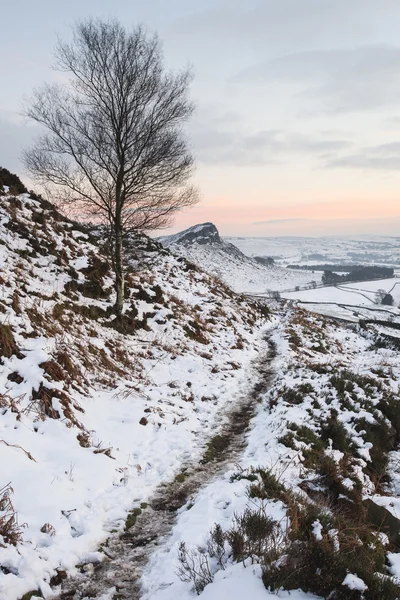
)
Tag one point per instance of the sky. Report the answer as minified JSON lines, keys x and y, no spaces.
{"x":297,"y":125}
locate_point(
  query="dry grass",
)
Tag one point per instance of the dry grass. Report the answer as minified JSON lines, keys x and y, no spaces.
{"x":28,"y":454}
{"x":8,"y":347}
{"x":10,"y":530}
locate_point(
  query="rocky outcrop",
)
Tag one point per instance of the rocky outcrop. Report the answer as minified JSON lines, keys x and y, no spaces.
{"x":203,"y":234}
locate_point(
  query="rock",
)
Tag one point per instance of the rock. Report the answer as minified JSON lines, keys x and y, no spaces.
{"x":205,"y":233}
{"x":384,"y":520}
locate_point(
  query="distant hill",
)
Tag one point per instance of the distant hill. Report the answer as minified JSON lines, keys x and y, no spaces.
{"x":203,"y":245}
{"x":205,"y":233}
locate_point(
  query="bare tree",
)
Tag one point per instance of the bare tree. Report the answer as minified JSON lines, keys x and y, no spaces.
{"x":114,"y":146}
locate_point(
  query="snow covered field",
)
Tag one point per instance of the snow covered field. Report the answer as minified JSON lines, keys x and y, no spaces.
{"x":369,"y":250}
{"x":357,"y":294}
{"x":351,"y":301}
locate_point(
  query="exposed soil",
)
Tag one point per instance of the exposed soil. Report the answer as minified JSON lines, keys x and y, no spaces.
{"x":127,"y":553}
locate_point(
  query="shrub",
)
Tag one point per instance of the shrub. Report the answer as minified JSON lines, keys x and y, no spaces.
{"x":268,"y":486}
{"x":143,"y":295}
{"x":193,"y":331}
{"x":53,"y":370}
{"x":194,"y":568}
{"x":216,"y":545}
{"x":288,"y":440}
{"x":344,"y":381}
{"x":296,"y":555}
{"x":390,"y":408}
{"x":383,"y":439}
{"x":249,"y":475}
{"x":334,"y":430}
{"x":292,"y":396}
{"x":10,"y":531}
{"x":95,"y":273}
{"x":307,"y":436}
{"x":158,"y":298}
{"x":12,"y":181}
{"x":254,"y":534}
{"x":8,"y":347}
{"x":320,"y":566}
{"x":63,"y":358}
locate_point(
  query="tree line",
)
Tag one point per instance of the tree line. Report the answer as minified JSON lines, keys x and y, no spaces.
{"x":359,"y":274}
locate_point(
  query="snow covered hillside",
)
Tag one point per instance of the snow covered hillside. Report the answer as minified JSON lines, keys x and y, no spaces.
{"x":311,"y":509}
{"x":203,"y":245}
{"x":201,"y":444}
{"x":96,"y":412}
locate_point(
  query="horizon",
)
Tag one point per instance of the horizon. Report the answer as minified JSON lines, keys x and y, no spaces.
{"x":297,"y":126}
{"x":238,"y":236}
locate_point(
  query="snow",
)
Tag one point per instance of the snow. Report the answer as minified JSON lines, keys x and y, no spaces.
{"x":354,"y":583}
{"x":240,"y":582}
{"x":354,"y":294}
{"x":202,"y":232}
{"x":236,"y":582}
{"x":362,"y":249}
{"x":317,"y":530}
{"x":241,"y":273}
{"x":97,"y":490}
{"x":394,"y":561}
{"x":182,"y":387}
{"x":149,"y":418}
{"x":224,"y":497}
{"x":351,"y":302}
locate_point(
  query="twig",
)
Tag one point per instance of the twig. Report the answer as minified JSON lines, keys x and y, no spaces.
{"x":29,"y":455}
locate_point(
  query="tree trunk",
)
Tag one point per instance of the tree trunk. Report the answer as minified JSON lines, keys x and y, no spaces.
{"x":119,"y":272}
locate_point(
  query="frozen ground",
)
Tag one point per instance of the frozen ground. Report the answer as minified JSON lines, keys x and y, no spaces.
{"x":242,"y":275}
{"x":357,"y":294}
{"x":129,"y":553}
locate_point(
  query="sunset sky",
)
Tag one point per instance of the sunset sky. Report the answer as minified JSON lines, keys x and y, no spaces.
{"x":297,"y":127}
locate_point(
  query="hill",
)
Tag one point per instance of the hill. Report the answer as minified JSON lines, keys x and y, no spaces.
{"x":203,"y":245}
{"x":96,"y":412}
{"x":202,"y":443}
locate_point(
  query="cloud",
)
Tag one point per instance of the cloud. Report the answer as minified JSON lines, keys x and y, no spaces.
{"x":391,"y":123}
{"x":226,"y":141}
{"x":283,"y":24}
{"x":384,"y":157}
{"x":340,"y":80}
{"x":276,"y":221}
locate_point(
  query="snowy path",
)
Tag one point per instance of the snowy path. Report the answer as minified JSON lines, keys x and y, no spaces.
{"x":127,"y":554}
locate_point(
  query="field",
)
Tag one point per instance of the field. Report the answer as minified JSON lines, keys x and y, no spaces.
{"x":363,"y":250}
{"x":348,"y":301}
{"x":352,"y":302}
{"x":355,"y":294}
